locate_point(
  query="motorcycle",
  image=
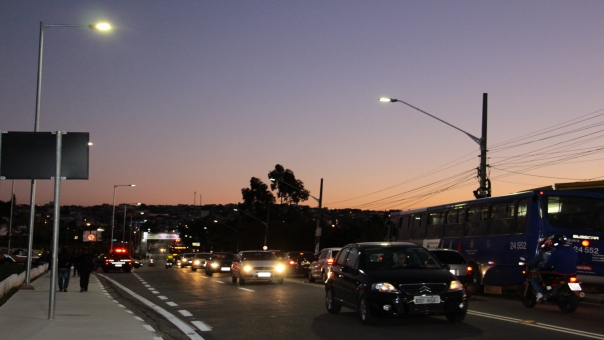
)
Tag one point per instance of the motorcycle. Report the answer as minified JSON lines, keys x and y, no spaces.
{"x":565,"y":291}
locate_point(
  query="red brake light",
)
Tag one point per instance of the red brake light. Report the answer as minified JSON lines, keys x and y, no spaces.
{"x":469,"y":270}
{"x":292,"y":262}
{"x":330,"y":261}
{"x":572,"y":280}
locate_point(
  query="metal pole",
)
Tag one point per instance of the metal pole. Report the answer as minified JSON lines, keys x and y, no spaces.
{"x":318,"y":231}
{"x":113,"y":216}
{"x":268,"y":218}
{"x":10,"y":223}
{"x":483,"y":150}
{"x":55,"y":231}
{"x":124,"y":229}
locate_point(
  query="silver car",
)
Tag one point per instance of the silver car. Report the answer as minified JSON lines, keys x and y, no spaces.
{"x":319,"y":269}
{"x":199,"y":261}
{"x":257,"y":265}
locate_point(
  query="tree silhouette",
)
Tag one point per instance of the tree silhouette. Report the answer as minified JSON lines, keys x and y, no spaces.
{"x":257,"y":194}
{"x":293,"y":191}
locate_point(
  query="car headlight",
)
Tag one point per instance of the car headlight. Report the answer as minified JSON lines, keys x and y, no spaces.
{"x":279,"y":268}
{"x":196,"y":262}
{"x":455,"y":286}
{"x":215,"y":265}
{"x":384,"y":287}
{"x":247,"y":268}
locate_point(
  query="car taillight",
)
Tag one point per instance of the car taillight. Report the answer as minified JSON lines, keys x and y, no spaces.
{"x":292,"y":262}
{"x":330,"y":261}
{"x":469,"y":271}
{"x":572,"y":280}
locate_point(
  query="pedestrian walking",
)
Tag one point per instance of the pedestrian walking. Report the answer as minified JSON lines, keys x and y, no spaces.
{"x":76,"y":255}
{"x":64,"y":265}
{"x":86,"y":264}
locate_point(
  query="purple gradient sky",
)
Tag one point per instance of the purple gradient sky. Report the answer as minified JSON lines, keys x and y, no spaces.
{"x":199,"y":96}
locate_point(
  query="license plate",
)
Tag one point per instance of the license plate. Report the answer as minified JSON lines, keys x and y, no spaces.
{"x":305,"y":263}
{"x":225,"y":269}
{"x":453,"y":271}
{"x":424,"y":300}
{"x":118,"y":265}
{"x":264,"y":274}
{"x":575,"y":287}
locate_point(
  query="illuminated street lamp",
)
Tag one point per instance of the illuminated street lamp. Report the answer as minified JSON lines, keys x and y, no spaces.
{"x":237,"y":231}
{"x":320,"y":201}
{"x":32,"y":205}
{"x":261,"y":221}
{"x":113,"y":214}
{"x":485,"y":184}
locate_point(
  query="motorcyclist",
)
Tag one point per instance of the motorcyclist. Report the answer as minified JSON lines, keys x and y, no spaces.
{"x":545,"y":249}
{"x":562,"y":260}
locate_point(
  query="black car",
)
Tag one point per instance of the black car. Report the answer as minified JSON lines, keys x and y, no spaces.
{"x":458,"y":265}
{"x":219,"y":263}
{"x":392,"y":279}
{"x":117,"y":259}
{"x":298,"y":262}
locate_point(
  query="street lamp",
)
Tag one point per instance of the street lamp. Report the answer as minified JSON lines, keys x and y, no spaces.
{"x":320,"y":201}
{"x":124,"y":228}
{"x":113,"y":214}
{"x":261,"y":221}
{"x":32,"y":196}
{"x":485,"y":184}
{"x":237,"y":231}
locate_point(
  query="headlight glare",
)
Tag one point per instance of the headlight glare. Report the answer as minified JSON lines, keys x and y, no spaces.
{"x":247,"y":268}
{"x":279,"y":268}
{"x":215,"y":265}
{"x":455,"y":286}
{"x":384,"y":287}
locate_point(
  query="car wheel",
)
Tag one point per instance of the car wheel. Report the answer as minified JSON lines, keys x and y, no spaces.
{"x":127,"y":270}
{"x":193,"y":269}
{"x":208,"y":273}
{"x":365,"y":312}
{"x":331,"y":304}
{"x":456,"y":317}
{"x":242,"y":281}
{"x":324,"y":276}
{"x":233,"y":279}
{"x":310,"y":277}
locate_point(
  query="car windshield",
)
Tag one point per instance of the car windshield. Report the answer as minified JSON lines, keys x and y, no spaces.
{"x":259,"y":256}
{"x":449,"y":257}
{"x":386,"y":258}
{"x":223,"y":256}
{"x":302,"y":254}
{"x":202,"y":256}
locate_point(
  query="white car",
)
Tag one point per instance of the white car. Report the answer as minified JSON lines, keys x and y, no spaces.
{"x":257,"y":265}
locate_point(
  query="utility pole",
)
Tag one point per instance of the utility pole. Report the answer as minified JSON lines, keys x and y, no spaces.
{"x":318,"y":231}
{"x":485,"y":184}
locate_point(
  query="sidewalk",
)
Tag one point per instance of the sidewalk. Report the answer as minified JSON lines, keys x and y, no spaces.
{"x":88,"y":315}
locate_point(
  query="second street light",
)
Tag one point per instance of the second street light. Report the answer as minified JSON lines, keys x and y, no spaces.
{"x":485,"y":184}
{"x":320,"y":201}
{"x":113,"y":213}
{"x":265,"y":247}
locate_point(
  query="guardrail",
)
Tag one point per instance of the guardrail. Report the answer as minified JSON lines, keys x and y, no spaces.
{"x":17,"y":280}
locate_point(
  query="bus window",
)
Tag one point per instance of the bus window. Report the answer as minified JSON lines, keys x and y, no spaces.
{"x":501,"y":219}
{"x":435,"y":218}
{"x":405,"y":222}
{"x":575,"y":212}
{"x":419,"y":226}
{"x":476,"y":226}
{"x":521,"y":217}
{"x":452,"y":216}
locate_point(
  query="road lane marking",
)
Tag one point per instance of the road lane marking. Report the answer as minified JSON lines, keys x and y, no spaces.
{"x":539,"y":325}
{"x":139,"y":318}
{"x":161,"y":297}
{"x":172,"y":304}
{"x":149,"y":328}
{"x":184,"y":327}
{"x":201,"y":326}
{"x":219,"y":281}
{"x":185,"y":313}
{"x":247,"y":290}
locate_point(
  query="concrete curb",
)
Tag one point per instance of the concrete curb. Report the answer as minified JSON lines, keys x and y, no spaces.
{"x":18,"y":280}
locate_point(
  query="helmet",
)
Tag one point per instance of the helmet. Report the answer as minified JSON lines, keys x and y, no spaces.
{"x":558,"y":240}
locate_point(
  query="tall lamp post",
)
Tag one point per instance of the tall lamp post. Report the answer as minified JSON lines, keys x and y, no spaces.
{"x":261,"y":221}
{"x":124,"y":227}
{"x":320,"y":201}
{"x":113,"y":213}
{"x":32,"y":197}
{"x":228,"y":226}
{"x":485,"y":184}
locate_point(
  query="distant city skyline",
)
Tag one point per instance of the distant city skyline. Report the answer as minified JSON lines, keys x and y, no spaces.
{"x":194,"y":98}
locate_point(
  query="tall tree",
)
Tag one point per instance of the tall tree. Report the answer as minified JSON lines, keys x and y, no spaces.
{"x":257,"y":194}
{"x":289,"y":189}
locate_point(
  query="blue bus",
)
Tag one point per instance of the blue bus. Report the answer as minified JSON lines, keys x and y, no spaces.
{"x":494,"y":233}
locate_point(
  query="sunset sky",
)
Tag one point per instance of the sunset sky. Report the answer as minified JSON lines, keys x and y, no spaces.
{"x":190,"y":98}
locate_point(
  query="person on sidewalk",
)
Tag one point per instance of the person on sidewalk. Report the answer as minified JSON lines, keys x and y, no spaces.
{"x":76,"y":255}
{"x":64,"y":265}
{"x":86,"y":264}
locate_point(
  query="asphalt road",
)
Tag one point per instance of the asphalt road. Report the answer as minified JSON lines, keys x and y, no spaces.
{"x":183,"y":304}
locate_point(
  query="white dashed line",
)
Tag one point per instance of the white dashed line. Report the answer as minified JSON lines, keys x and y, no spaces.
{"x":149,"y":328}
{"x":201,"y":326}
{"x":170,"y":303}
{"x":247,"y":290}
{"x":139,"y":318}
{"x":185,"y":313}
{"x":129,"y":311}
{"x":162,"y":297}
{"x":120,"y":305}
